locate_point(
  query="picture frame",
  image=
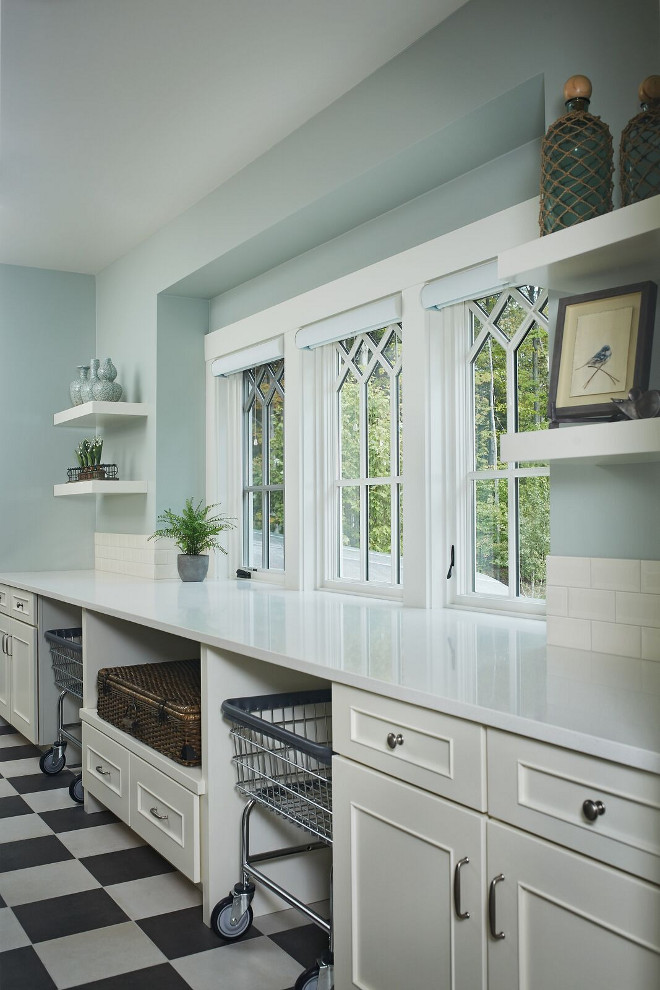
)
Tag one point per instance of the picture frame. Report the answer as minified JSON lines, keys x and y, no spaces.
{"x":602,"y":349}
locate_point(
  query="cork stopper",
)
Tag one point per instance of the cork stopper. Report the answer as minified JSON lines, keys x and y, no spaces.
{"x":577,"y":88}
{"x":649,"y":90}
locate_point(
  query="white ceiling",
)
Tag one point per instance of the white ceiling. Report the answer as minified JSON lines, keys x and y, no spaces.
{"x":117,"y":115}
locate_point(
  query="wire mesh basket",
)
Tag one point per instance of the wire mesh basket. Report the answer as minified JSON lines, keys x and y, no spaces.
{"x":283,"y":755}
{"x":67,"y":660}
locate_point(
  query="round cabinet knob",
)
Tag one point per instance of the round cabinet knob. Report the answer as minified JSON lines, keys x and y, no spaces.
{"x":592,"y":809}
{"x":394,"y":740}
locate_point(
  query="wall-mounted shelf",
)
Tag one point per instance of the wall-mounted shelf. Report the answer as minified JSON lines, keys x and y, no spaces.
{"x":626,"y":238}
{"x":101,"y":488}
{"x":625,"y":442}
{"x":99,"y":413}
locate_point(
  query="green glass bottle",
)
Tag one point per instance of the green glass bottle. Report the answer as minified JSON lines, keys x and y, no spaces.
{"x":576,"y":163}
{"x":639,"y":153}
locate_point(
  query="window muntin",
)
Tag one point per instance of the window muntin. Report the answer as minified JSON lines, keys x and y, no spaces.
{"x":508,"y":371}
{"x":368,"y":450}
{"x":263,"y":466}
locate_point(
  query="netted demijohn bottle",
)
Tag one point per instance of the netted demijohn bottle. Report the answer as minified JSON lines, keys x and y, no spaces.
{"x":576,"y":163}
{"x":639,"y":153}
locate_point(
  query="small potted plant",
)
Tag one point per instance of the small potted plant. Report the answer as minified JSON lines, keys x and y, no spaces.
{"x":88,"y":453}
{"x":194,"y":531}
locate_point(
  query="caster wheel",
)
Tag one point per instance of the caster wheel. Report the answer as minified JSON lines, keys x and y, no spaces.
{"x":221,"y":920}
{"x":76,"y":789}
{"x":309,"y":980}
{"x":48,"y":763}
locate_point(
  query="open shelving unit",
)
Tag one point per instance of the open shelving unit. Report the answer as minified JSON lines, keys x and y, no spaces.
{"x":96,"y":415}
{"x":99,"y":413}
{"x":623,"y":239}
{"x":625,"y":442}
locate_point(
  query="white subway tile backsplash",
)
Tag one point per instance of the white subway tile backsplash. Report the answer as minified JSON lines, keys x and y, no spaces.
{"x":615,"y":575}
{"x":134,"y":554}
{"x":587,"y":603}
{"x":571,"y":572}
{"x":566,"y":631}
{"x":651,"y":577}
{"x":650,"y":643}
{"x":639,"y":610}
{"x":556,"y":600}
{"x":613,"y":637}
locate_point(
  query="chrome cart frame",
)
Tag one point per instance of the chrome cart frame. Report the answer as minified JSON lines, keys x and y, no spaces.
{"x":282,"y":755}
{"x":67,"y":663}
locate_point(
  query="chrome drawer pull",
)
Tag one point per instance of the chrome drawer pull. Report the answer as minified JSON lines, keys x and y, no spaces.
{"x":394,"y":740}
{"x":492,"y":919}
{"x":154,"y":812}
{"x":457,"y":889}
{"x":592,"y":809}
{"x":104,"y":773}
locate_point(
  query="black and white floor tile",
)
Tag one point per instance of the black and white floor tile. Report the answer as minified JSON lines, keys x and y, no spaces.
{"x":85,"y":904}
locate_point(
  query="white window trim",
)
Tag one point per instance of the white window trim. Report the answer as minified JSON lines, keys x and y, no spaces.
{"x":427,"y":496}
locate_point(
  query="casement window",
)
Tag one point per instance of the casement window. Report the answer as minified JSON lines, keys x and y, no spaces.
{"x":263,"y":466}
{"x":365,"y":448}
{"x":504,"y":518}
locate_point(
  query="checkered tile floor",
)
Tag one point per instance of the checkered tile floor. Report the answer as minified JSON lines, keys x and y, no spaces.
{"x":84,"y":903}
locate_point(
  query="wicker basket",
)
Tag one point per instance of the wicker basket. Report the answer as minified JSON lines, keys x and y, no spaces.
{"x":157,"y":703}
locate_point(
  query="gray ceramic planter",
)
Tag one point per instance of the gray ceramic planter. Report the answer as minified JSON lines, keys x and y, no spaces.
{"x":192,"y":567}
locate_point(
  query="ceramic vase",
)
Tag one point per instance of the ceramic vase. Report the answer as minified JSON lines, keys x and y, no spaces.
{"x":576,"y":163}
{"x":76,"y":385}
{"x":639,"y":155}
{"x":104,"y":389}
{"x":87,"y":386}
{"x":108,"y":373}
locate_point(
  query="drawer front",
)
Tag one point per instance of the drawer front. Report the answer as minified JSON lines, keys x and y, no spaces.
{"x":543,"y":789}
{"x":22,"y":606}
{"x":106,"y":771}
{"x":167,"y":816}
{"x":4,"y":599}
{"x":437,"y":752}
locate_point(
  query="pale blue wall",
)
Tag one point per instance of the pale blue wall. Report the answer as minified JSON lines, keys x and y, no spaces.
{"x":477,"y":58}
{"x":47,"y":322}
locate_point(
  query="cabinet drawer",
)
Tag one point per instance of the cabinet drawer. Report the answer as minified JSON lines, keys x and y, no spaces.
{"x":167,"y":816}
{"x":543,"y":789}
{"x":437,"y":752}
{"x":106,"y":771}
{"x":4,"y":599}
{"x":22,"y":605}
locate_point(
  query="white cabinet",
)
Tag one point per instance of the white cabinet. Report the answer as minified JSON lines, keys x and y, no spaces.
{"x":568,"y":921}
{"x":158,"y":798}
{"x":581,"y":910}
{"x":18,"y":661}
{"x":408,"y":881}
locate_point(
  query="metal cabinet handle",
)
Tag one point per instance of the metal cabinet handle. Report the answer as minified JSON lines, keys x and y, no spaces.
{"x":492,"y":919}
{"x":104,"y":773}
{"x":154,"y":812}
{"x":457,"y":889}
{"x":4,"y":643}
{"x":10,"y":645}
{"x":592,"y":809}
{"x":20,"y":606}
{"x":394,"y":740}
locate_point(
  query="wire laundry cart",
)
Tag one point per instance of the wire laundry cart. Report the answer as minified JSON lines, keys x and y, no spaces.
{"x":283,"y":760}
{"x":67,"y":661}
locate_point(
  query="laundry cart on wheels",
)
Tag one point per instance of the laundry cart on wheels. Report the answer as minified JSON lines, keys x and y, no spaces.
{"x":283,"y":760}
{"x":66,"y":655}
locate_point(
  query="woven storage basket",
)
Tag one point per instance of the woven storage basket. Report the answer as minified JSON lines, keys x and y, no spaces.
{"x":157,"y":703}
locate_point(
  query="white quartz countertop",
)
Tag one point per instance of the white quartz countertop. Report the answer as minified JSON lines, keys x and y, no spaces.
{"x":493,"y":669}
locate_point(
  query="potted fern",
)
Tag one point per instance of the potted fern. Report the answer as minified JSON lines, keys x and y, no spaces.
{"x":194,"y":531}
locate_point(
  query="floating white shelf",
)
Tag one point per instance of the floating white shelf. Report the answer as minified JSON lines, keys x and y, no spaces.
{"x":99,"y":413}
{"x":101,"y":488}
{"x":626,"y":238}
{"x":625,"y":442}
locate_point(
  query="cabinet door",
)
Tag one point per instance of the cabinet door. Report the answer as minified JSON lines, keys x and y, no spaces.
{"x":395,"y":854}
{"x":5,"y":670}
{"x":23,"y":645}
{"x":568,"y":921}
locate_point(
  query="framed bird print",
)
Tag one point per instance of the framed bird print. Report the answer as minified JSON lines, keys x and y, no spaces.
{"x":602,"y":350}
